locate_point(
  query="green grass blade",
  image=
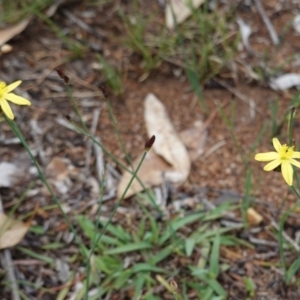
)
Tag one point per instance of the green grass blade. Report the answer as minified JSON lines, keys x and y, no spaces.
{"x":129,"y":248}
{"x":215,"y":256}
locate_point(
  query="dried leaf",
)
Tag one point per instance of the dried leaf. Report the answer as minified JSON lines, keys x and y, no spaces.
{"x":254,"y":218}
{"x":6,"y":49}
{"x":296,"y":23}
{"x":11,"y":231}
{"x":194,"y":140}
{"x":180,"y":10}
{"x":58,"y":173}
{"x":167,"y":143}
{"x":10,"y":32}
{"x":57,"y":169}
{"x":8,"y":174}
{"x":245,"y":31}
{"x":168,"y":157}
{"x":285,"y":81}
{"x":150,"y":174}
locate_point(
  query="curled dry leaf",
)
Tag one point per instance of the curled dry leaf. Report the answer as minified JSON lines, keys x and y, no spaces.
{"x":5,"y":48}
{"x":11,"y":231}
{"x":9,"y":174}
{"x":296,"y":23}
{"x":285,"y":81}
{"x":57,"y":169}
{"x":167,"y":142}
{"x":245,"y":31}
{"x":194,"y":140}
{"x":254,"y":218}
{"x":58,"y":173}
{"x":150,"y":174}
{"x":168,"y":157}
{"x":10,"y":32}
{"x":179,"y":10}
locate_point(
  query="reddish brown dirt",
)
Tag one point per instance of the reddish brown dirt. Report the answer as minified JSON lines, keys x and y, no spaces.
{"x":37,"y":52}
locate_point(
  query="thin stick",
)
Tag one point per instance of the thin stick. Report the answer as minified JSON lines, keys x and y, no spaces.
{"x":242,"y":97}
{"x":96,"y":116}
{"x":266,"y":20}
{"x":8,"y":265}
{"x":286,"y":236}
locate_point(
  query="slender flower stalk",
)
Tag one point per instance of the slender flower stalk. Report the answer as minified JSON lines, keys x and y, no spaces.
{"x":6,"y":95}
{"x":284,"y":157}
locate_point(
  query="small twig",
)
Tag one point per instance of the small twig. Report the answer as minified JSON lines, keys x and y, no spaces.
{"x":242,"y":97}
{"x":8,"y":265}
{"x":214,"y":148}
{"x":11,"y":141}
{"x":63,"y":122}
{"x":37,"y":133}
{"x":99,"y":160}
{"x":286,"y":236}
{"x":257,"y":241}
{"x":96,"y":116}
{"x":266,"y":20}
{"x":77,"y":21}
{"x":265,"y":256}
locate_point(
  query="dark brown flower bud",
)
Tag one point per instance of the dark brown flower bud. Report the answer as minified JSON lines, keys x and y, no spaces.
{"x":68,"y":118}
{"x":173,"y":284}
{"x":62,"y":75}
{"x":149,"y":143}
{"x":104,"y":91}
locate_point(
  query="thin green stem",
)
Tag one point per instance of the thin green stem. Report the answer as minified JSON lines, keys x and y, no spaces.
{"x":114,"y":122}
{"x":290,"y":126}
{"x":114,"y":158}
{"x":281,"y":228}
{"x":96,"y":241}
{"x":19,"y":134}
{"x":70,"y":94}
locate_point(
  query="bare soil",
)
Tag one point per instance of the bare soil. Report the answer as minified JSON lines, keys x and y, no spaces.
{"x":37,"y":52}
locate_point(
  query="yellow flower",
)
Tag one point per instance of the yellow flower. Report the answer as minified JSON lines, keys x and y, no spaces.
{"x":285,"y":156}
{"x":6,"y":95}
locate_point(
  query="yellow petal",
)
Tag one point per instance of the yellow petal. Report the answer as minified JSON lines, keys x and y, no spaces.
{"x":296,"y":154}
{"x":266,"y":156}
{"x":287,"y":172}
{"x":276,"y":144}
{"x":17,"y":99}
{"x":294,"y":162}
{"x":6,"y":109}
{"x":12,"y":86}
{"x":272,"y":165}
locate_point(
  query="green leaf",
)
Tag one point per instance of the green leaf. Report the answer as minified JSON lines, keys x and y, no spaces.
{"x":141,"y":229}
{"x":144,"y":267}
{"x":218,"y":211}
{"x":37,"y":229}
{"x":178,"y":223}
{"x":108,"y":264}
{"x":214,"y":257}
{"x":250,"y":286}
{"x":152,"y":297}
{"x":155,"y":259}
{"x":117,"y":231}
{"x":189,"y":246}
{"x":139,"y":284}
{"x":129,"y":248}
{"x":292,"y":270}
{"x":205,"y":249}
{"x":215,"y":285}
{"x":122,"y":279}
{"x":207,"y":293}
{"x":53,"y":246}
{"x":35,"y":255}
